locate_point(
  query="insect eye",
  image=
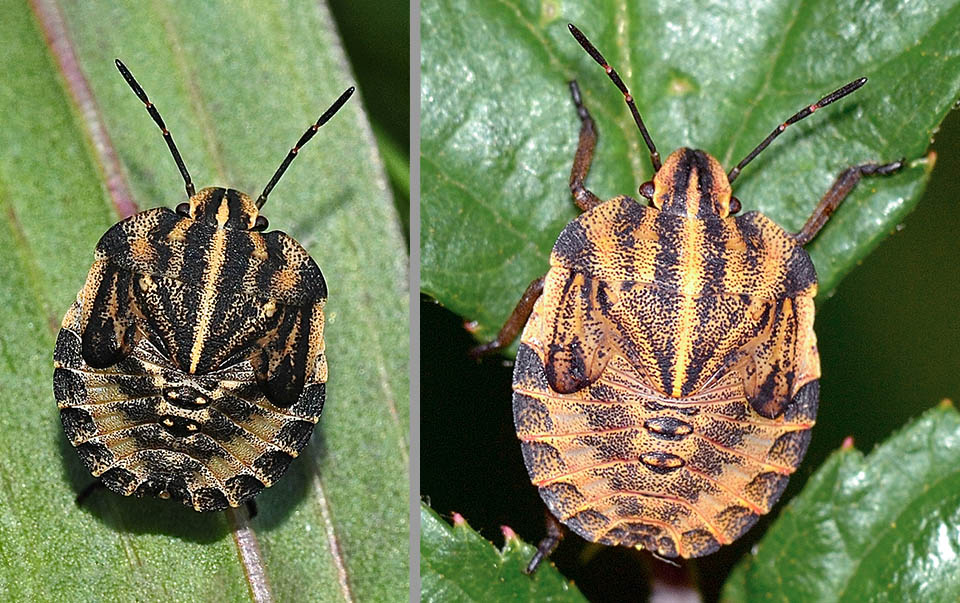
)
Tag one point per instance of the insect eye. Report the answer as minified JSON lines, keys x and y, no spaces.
{"x":260,"y":224}
{"x":734,"y":205}
{"x":184,"y":210}
{"x":646,"y":189}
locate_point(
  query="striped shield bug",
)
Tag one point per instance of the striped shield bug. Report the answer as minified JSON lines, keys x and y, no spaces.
{"x":667,"y":376}
{"x":192,"y":364}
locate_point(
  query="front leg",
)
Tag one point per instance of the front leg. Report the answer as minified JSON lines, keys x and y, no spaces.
{"x":843,"y":186}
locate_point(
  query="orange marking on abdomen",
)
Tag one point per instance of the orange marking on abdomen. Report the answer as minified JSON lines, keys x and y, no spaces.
{"x":746,"y":503}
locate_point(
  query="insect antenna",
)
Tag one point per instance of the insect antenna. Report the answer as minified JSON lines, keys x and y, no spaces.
{"x":303,"y":140}
{"x":823,"y":102}
{"x":152,"y":110}
{"x":615,"y":78}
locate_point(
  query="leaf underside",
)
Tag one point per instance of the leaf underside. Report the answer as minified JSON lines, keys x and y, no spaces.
{"x":237,"y":84}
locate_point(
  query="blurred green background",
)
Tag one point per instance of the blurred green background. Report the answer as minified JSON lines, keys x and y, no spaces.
{"x":376,"y":37}
{"x":889,"y":347}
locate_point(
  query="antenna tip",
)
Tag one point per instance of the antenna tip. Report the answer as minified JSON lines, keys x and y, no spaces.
{"x":343,"y":98}
{"x":118,"y":63}
{"x":585,"y":43}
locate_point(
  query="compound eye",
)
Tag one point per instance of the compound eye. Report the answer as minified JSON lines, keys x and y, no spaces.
{"x":646,"y":189}
{"x":260,"y":224}
{"x":734,"y":205}
{"x":184,"y":210}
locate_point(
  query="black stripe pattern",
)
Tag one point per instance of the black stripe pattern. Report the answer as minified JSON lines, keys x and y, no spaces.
{"x":666,"y":380}
{"x":192,"y":364}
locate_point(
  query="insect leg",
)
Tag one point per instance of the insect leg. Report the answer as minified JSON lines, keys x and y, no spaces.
{"x":555,"y":533}
{"x":516,"y":320}
{"x":584,"y":199}
{"x":842,"y":186}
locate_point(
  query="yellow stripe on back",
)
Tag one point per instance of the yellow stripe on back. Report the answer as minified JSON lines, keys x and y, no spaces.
{"x":210,"y":278}
{"x":691,"y":282}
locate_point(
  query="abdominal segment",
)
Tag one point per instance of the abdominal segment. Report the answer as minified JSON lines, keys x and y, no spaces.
{"x":622,"y":462}
{"x":146,"y":427}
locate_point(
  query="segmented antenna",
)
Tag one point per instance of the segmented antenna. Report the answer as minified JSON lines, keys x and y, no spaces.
{"x":152,"y":110}
{"x":615,"y":78}
{"x":303,"y":140}
{"x":823,"y":102}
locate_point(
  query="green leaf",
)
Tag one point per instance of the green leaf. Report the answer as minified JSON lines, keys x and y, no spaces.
{"x":458,"y":564}
{"x":237,"y":84}
{"x":885,"y":527}
{"x":383,"y":70}
{"x":499,"y":128}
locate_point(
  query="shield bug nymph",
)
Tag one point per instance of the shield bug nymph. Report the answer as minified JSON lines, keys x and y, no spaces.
{"x":667,"y":376}
{"x":192,"y":364}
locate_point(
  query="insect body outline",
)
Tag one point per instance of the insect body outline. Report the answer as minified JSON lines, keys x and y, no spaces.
{"x":192,"y":365}
{"x":667,"y":375}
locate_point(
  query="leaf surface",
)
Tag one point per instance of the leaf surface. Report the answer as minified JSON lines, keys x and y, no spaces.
{"x":458,"y":564}
{"x":499,"y":129}
{"x":880,"y":527}
{"x":237,"y":84}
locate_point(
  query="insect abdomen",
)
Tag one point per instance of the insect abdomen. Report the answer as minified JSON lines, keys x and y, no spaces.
{"x":621,"y":464}
{"x":691,"y":346}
